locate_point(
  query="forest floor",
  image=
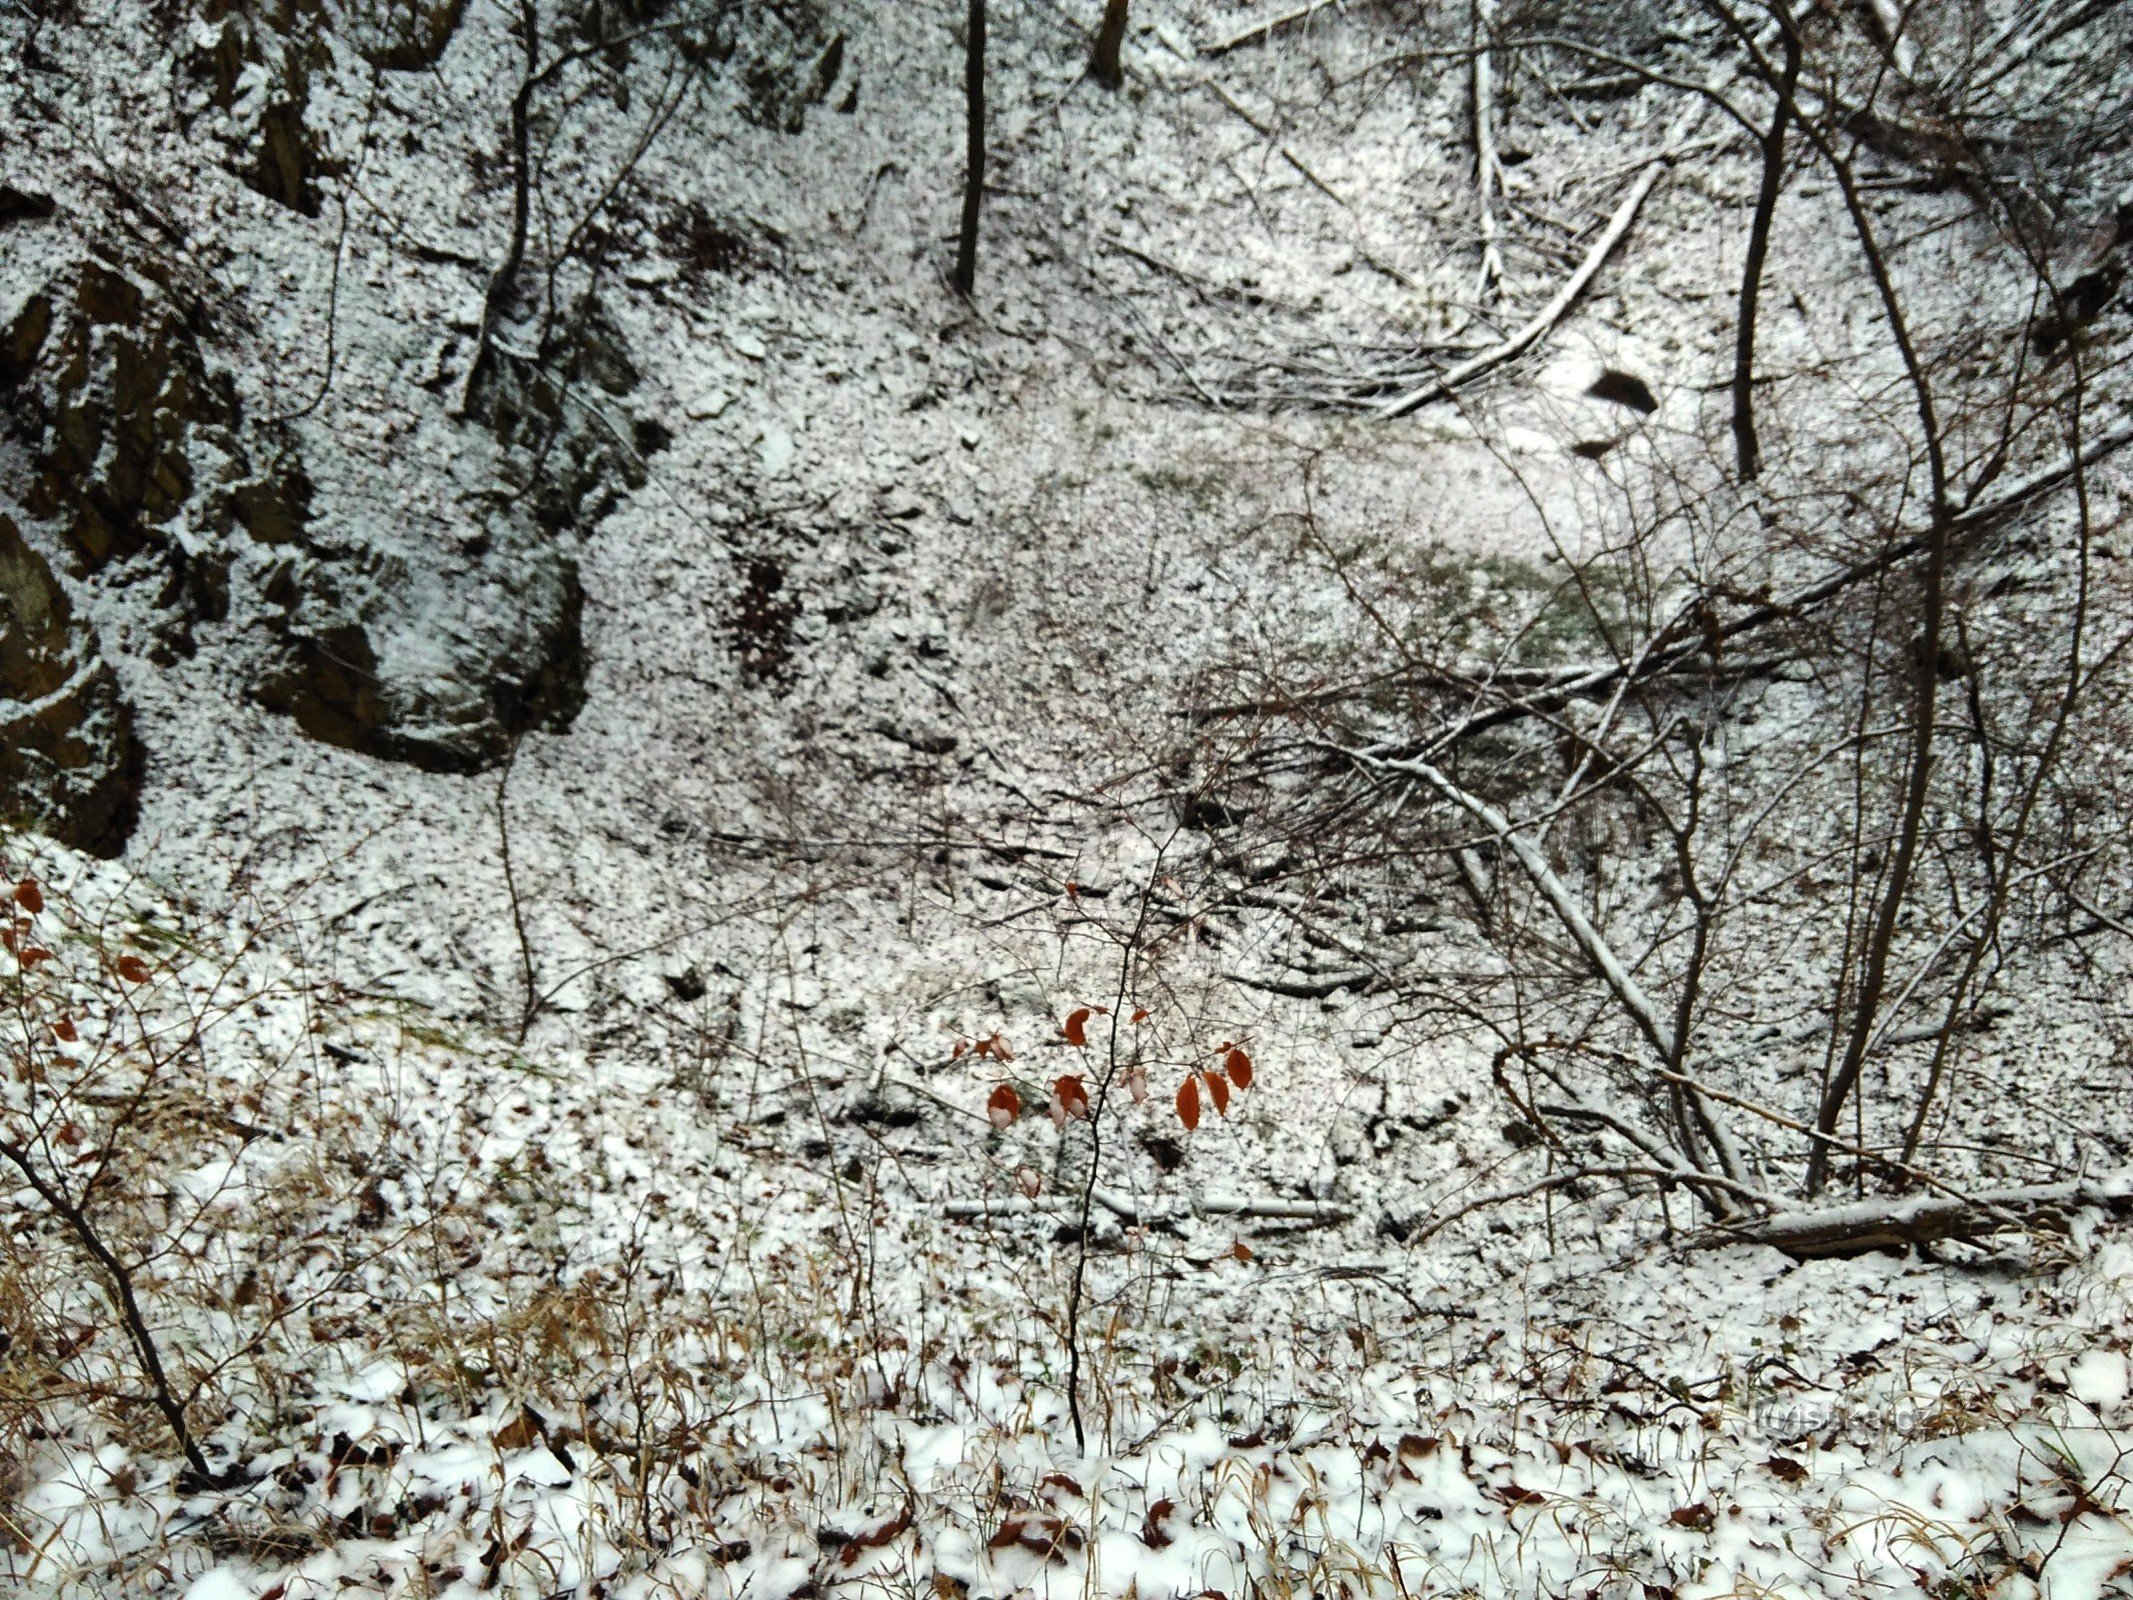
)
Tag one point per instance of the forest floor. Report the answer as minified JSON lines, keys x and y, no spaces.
{"x":627,"y":1219}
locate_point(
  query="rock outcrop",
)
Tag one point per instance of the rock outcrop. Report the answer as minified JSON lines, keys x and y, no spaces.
{"x":69,"y":763}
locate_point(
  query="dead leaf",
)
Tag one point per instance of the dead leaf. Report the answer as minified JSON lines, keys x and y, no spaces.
{"x":875,"y":1538}
{"x":1153,"y":1534}
{"x":29,"y":896}
{"x":133,"y":969}
{"x":1189,"y":1103}
{"x":1077,"y":1027}
{"x":1239,"y":1067}
{"x":1003,"y":1106}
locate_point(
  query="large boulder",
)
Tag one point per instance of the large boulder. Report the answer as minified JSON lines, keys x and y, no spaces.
{"x":438,"y":660}
{"x":69,"y":763}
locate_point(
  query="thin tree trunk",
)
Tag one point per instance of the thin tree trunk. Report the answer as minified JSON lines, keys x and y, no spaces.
{"x":503,"y":283}
{"x":1488,"y":171}
{"x":1747,"y":452}
{"x":1924,"y":665}
{"x":966,"y":249}
{"x":1104,"y":64}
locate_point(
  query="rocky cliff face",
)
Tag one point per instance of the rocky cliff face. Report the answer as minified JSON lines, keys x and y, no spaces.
{"x":69,"y":763}
{"x":385,"y":548}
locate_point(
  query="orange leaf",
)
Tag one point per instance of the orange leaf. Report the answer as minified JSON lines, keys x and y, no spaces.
{"x":1218,"y":1089}
{"x":1073,"y":1095}
{"x":1239,"y":1067}
{"x":1189,"y":1103}
{"x":29,"y":896}
{"x":1077,"y":1027}
{"x":1140,"y":1014}
{"x":133,"y":969}
{"x":1241,"y":1250}
{"x":1003,"y":1106}
{"x":63,"y":1030}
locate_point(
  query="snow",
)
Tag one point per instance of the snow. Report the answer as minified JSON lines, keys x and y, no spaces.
{"x":704,"y":1239}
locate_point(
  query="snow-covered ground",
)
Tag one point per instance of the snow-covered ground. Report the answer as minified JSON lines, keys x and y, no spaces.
{"x":569,"y":1188}
{"x":464,"y":1320}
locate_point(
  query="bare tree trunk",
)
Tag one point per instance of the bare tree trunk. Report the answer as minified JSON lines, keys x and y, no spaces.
{"x":1747,"y":452}
{"x":503,"y":283}
{"x":966,"y":249}
{"x":1104,"y":64}
{"x":1488,"y":170}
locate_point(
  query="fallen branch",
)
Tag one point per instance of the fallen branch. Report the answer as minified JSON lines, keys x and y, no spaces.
{"x":1260,"y":30}
{"x":1677,"y":643}
{"x":1650,"y":1021}
{"x":1922,"y":1219}
{"x":1533,"y":332}
{"x":1127,"y":1209}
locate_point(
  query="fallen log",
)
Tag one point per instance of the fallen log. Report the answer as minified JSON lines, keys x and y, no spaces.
{"x":1922,"y":1219}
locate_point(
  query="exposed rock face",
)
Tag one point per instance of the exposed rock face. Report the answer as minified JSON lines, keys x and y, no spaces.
{"x":406,"y":35}
{"x":442,"y":665}
{"x":69,"y":764}
{"x":127,"y":391}
{"x":435,"y":636}
{"x":255,"y":63}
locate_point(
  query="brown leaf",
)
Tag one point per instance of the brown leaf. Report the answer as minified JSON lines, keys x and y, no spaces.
{"x":1059,"y":1480}
{"x":29,"y":896}
{"x":1140,"y":1014}
{"x":1218,"y":1090}
{"x":63,"y":1030}
{"x":1189,"y":1103}
{"x":1003,"y":1106}
{"x":1699,"y":1516}
{"x":1241,"y":1250}
{"x":133,"y":969}
{"x":1037,"y":1532}
{"x":1073,"y":1095}
{"x":1077,"y":1027}
{"x":32,"y":954}
{"x":1153,"y":1534}
{"x":1031,"y":1180}
{"x":875,"y":1538}
{"x":1239,"y":1067}
{"x":1786,"y":1468}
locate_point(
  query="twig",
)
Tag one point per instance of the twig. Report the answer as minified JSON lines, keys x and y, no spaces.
{"x":1286,"y":153}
